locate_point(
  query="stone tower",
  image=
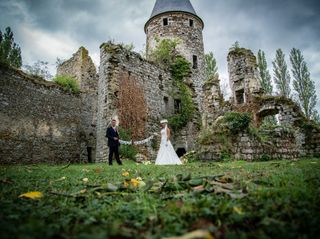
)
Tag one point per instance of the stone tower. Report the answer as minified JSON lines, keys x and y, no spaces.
{"x":243,"y":75}
{"x":177,"y":19}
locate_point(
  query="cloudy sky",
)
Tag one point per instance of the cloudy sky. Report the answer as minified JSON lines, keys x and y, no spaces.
{"x":47,"y":29}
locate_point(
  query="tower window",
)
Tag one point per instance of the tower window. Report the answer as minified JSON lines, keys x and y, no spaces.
{"x":195,"y":62}
{"x":165,"y":21}
{"x":240,"y":96}
{"x":177,"y":106}
{"x":166,"y":104}
{"x":190,"y":22}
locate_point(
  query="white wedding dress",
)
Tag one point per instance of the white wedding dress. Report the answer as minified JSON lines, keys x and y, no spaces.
{"x":166,"y":154}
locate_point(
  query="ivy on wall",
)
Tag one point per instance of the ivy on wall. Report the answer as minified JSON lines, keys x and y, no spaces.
{"x":166,"y":55}
{"x":180,"y":69}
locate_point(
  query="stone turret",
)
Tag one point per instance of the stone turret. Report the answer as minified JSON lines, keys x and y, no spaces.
{"x":243,"y":75}
{"x":177,"y":19}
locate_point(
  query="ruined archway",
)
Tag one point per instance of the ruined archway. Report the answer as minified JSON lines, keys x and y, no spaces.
{"x":288,"y":111}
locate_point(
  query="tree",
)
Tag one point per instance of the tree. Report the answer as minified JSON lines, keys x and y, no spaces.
{"x":281,"y":74}
{"x":10,"y":52}
{"x":59,"y":62}
{"x":303,"y":85}
{"x":210,"y":66}
{"x":265,"y":78}
{"x":235,"y":46}
{"x":132,"y":106}
{"x":39,"y":68}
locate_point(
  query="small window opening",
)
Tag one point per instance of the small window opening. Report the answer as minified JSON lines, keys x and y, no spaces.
{"x":177,"y":106}
{"x":239,"y":96}
{"x":165,"y":21}
{"x":166,"y":103}
{"x":195,"y":62}
{"x":190,"y":22}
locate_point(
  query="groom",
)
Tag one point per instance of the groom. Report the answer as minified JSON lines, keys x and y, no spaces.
{"x":113,"y":142}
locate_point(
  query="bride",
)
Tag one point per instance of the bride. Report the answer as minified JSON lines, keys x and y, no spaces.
{"x":166,"y":153}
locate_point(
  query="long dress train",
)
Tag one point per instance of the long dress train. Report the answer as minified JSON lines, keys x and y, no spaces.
{"x":166,"y":154}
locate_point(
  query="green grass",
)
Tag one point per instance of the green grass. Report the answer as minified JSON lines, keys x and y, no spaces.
{"x":281,"y":201}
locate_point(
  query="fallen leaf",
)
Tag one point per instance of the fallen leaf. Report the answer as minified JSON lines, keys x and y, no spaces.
{"x":200,"y":187}
{"x":85,"y":180}
{"x":142,"y":184}
{"x":193,"y":235}
{"x":238,"y":210}
{"x":98,"y":170}
{"x":32,"y":195}
{"x":134,"y":182}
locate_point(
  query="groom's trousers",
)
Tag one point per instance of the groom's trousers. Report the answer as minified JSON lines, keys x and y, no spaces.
{"x":114,"y":150}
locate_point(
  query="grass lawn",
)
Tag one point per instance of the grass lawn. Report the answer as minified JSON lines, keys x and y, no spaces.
{"x":276,"y":199}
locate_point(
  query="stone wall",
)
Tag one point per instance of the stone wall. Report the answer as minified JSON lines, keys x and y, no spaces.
{"x":244,"y":146}
{"x":212,"y":101}
{"x":81,"y":67}
{"x":156,"y":83}
{"x":39,"y":121}
{"x":190,"y":42}
{"x":243,"y":75}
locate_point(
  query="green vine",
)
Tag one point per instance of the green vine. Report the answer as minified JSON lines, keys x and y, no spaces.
{"x":179,"y":70}
{"x":165,"y":55}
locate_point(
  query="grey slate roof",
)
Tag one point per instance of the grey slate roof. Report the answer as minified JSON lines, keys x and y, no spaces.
{"x":163,"y":6}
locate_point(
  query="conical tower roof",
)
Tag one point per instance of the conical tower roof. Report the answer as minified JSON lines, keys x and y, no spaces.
{"x":163,"y":6}
{"x":167,"y":6}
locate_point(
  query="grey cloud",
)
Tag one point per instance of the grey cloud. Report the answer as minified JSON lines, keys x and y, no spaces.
{"x":256,"y":24}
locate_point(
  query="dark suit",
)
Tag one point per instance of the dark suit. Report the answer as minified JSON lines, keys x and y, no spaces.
{"x":113,"y":145}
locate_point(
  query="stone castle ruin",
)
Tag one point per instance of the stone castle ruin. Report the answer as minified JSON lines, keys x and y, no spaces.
{"x":43,"y":123}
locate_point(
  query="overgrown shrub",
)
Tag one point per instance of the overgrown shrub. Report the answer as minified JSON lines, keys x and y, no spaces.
{"x":68,"y":83}
{"x":180,"y":68}
{"x":205,"y":137}
{"x":165,"y":52}
{"x":237,"y":121}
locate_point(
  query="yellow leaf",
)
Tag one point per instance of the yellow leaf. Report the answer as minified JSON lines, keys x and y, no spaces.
{"x":134,"y":182}
{"x":32,"y":195}
{"x":125,"y":174}
{"x":238,"y":210}
{"x":83,"y":191}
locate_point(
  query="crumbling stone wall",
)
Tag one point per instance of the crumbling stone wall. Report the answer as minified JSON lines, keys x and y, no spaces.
{"x":39,"y":121}
{"x":212,"y":101}
{"x":245,"y":146}
{"x":247,"y":97}
{"x":158,"y":89}
{"x":81,"y":67}
{"x":243,"y":75}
